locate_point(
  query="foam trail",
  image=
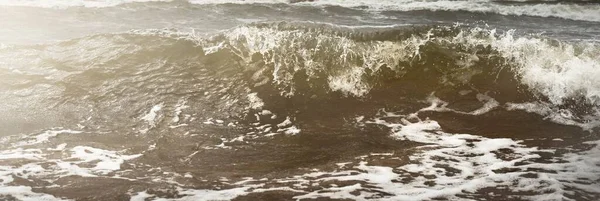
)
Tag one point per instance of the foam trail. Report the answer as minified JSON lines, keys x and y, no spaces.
{"x":44,"y":137}
{"x":456,"y":165}
{"x":557,"y":115}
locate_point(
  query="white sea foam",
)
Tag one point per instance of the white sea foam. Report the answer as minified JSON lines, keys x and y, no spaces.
{"x":351,"y":83}
{"x":459,"y":164}
{"x":291,"y":130}
{"x":347,"y":80}
{"x":197,"y":195}
{"x":255,"y":101}
{"x":25,"y":193}
{"x":59,"y":147}
{"x":8,"y":172}
{"x":450,"y":166}
{"x":152,"y":118}
{"x":106,"y":161}
{"x":20,"y":153}
{"x":44,"y":137}
{"x":140,"y":196}
{"x":287,"y":122}
{"x":557,"y":71}
{"x":439,"y":105}
{"x":80,"y":160}
{"x":181,"y":104}
{"x":102,"y":161}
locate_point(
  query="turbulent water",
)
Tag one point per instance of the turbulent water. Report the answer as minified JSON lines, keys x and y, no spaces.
{"x":299,"y":100}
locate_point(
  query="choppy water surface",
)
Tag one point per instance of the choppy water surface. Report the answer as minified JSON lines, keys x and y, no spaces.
{"x":325,"y":100}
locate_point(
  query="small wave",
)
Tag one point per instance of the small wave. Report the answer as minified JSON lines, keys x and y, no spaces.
{"x":563,"y":9}
{"x":584,"y":12}
{"x":68,"y":3}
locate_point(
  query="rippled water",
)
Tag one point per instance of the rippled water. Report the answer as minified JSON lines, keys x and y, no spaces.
{"x":271,"y":100}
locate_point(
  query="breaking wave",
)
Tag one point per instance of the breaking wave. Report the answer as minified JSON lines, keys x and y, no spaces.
{"x":261,"y":66}
{"x":324,"y":61}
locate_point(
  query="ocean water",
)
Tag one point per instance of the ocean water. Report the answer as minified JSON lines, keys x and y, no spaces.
{"x":299,"y":100}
